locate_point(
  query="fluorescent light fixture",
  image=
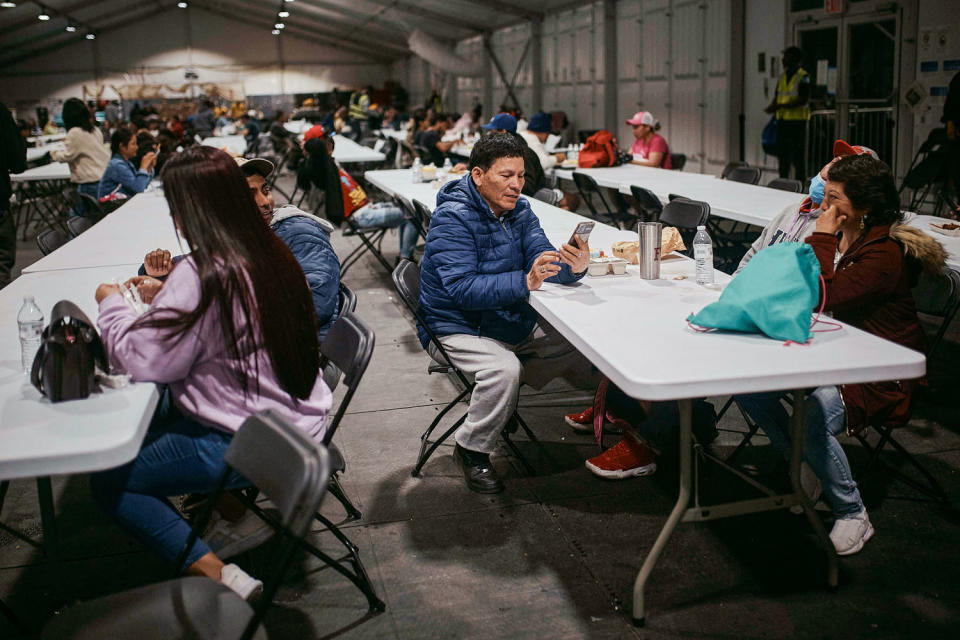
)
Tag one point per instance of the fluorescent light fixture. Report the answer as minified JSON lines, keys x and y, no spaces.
{"x":275,"y":32}
{"x":182,"y":5}
{"x":279,"y":25}
{"x":284,"y":14}
{"x":91,"y":36}
{"x":71,"y":28}
{"x":44,"y":16}
{"x":8,"y":5}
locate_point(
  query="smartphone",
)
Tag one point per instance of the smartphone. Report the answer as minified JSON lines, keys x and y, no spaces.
{"x":583,"y":230}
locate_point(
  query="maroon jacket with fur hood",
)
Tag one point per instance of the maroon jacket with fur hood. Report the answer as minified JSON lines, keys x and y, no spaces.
{"x":870,"y":288}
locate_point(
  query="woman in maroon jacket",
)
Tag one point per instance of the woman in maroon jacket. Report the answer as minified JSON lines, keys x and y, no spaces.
{"x":869,"y":263}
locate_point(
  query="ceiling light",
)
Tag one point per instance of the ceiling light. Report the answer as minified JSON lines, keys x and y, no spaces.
{"x":279,"y":25}
{"x":288,"y":0}
{"x":8,"y":5}
{"x":44,"y":16}
{"x":182,"y":5}
{"x":284,"y":14}
{"x":91,"y":36}
{"x":275,"y":32}
{"x":71,"y":28}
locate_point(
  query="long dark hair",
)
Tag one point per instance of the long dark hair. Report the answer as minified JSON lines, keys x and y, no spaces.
{"x":76,"y":114}
{"x":120,"y":138}
{"x":321,"y":171}
{"x":244,"y":268}
{"x":869,"y":185}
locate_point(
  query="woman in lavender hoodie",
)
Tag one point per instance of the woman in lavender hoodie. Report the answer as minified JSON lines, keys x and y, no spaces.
{"x":231,"y":332}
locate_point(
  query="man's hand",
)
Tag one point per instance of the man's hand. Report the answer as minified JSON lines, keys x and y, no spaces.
{"x":105,"y":290}
{"x":576,"y":255}
{"x":545,"y":266}
{"x":146,"y":286}
{"x":830,"y":221}
{"x":158,"y":263}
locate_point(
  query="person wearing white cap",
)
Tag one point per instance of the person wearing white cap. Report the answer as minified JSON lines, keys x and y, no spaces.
{"x":649,"y":148}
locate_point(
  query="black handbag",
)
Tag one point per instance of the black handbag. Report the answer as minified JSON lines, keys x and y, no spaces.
{"x":70,"y":349}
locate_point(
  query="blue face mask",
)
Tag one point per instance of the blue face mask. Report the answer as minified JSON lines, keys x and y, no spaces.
{"x":817,"y":186}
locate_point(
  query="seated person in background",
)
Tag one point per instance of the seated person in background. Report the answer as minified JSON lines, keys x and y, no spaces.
{"x":485,"y":253}
{"x":868,"y":263}
{"x":204,"y":121}
{"x":793,"y":224}
{"x":344,"y":198}
{"x":121,"y":174}
{"x":83,"y":150}
{"x":468,"y":122}
{"x":535,"y":135}
{"x":279,"y":136}
{"x":649,"y":148}
{"x":306,"y":235}
{"x":219,"y":368}
{"x":250,"y":130}
{"x":166,"y":147}
{"x":431,"y":139}
{"x":146,"y":143}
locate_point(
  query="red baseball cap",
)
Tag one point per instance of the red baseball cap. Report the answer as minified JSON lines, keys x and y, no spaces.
{"x":316,"y":131}
{"x":841,"y":148}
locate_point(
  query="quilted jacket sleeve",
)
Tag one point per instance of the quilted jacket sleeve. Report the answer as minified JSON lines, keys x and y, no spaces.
{"x":311,"y":247}
{"x":458,"y":268}
{"x":535,"y":242}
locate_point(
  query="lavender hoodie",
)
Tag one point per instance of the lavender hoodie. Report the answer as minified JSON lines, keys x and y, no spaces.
{"x":197,"y":367}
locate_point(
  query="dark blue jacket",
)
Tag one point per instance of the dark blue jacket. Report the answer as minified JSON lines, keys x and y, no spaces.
{"x":308,"y":238}
{"x":473,"y":277}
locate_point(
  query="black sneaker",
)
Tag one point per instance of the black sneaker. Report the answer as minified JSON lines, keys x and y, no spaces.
{"x":477,"y":470}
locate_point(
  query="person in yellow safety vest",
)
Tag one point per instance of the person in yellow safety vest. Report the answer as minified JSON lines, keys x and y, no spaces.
{"x":360,"y":112}
{"x":792,"y":106}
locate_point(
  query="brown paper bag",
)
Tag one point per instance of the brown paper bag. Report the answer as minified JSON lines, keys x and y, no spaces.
{"x":670,"y":241}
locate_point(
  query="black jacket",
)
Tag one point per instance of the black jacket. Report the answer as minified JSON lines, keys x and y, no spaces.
{"x":13,"y":153}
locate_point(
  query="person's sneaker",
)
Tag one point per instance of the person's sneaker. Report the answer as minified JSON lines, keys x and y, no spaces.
{"x":851,"y":533}
{"x":810,"y":484}
{"x":626,"y":459}
{"x":581,"y":422}
{"x":227,"y":539}
{"x":477,"y":470}
{"x":240,"y":582}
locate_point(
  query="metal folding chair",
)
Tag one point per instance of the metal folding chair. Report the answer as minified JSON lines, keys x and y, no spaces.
{"x":786,"y":184}
{"x":649,"y":204}
{"x":686,"y":215}
{"x":292,"y":471}
{"x":424,"y":214}
{"x":51,"y":239}
{"x":747,"y":175}
{"x":678,"y":160}
{"x":589,"y":188}
{"x":406,"y":278}
{"x":730,"y":166}
{"x":78,"y":224}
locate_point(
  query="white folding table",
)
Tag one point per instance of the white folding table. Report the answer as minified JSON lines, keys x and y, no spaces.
{"x":52,"y":171}
{"x":122,"y":237}
{"x":232,"y":144}
{"x":635,"y":332}
{"x":346,"y":151}
{"x":950,"y":243}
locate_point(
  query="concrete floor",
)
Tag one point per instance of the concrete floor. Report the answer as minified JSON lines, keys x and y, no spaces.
{"x":556,"y":554}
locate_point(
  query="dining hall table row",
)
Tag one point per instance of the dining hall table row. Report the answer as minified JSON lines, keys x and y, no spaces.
{"x":635,"y":332}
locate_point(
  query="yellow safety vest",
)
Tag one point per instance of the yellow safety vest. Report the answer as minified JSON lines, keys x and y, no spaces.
{"x":787,"y":90}
{"x":359,"y":105}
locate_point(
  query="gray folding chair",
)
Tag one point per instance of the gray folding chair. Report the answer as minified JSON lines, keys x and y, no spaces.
{"x":78,"y":224}
{"x":648,"y":203}
{"x":292,"y":471}
{"x":747,"y":175}
{"x":678,"y":160}
{"x":786,"y":184}
{"x":589,"y":188}
{"x":730,"y":166}
{"x":686,"y":215}
{"x":51,"y":239}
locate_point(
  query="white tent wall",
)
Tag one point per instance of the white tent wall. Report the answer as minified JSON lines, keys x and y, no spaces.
{"x":765,"y":34}
{"x":160,"y":50}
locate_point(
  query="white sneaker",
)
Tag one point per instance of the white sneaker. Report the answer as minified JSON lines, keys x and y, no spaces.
{"x":228,"y":539}
{"x":810,"y":484}
{"x":244,"y":585}
{"x":851,"y":533}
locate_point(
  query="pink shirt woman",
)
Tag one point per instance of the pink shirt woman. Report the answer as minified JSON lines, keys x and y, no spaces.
{"x":649,"y":148}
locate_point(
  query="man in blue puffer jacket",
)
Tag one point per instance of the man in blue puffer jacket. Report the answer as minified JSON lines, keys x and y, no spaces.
{"x":485,"y":253}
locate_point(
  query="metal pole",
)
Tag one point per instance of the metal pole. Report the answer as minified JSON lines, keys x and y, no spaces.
{"x":536,"y":62}
{"x":611,"y":80}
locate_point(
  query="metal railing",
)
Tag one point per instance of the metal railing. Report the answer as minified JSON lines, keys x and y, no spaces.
{"x":873,"y":127}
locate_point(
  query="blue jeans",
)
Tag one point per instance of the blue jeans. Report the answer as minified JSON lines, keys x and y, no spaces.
{"x":825,"y":418}
{"x":81,"y":207}
{"x":178,"y":456}
{"x":388,"y":214}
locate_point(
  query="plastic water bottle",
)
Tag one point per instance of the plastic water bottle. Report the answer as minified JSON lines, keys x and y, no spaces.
{"x":30,"y":323}
{"x":416,"y":171}
{"x":447,"y":165}
{"x":703,"y":254}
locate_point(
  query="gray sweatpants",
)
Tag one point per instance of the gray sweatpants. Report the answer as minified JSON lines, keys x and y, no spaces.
{"x":498,"y":369}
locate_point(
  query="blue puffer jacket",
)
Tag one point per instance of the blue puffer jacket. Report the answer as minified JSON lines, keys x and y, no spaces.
{"x":473,"y":277}
{"x":309,"y":240}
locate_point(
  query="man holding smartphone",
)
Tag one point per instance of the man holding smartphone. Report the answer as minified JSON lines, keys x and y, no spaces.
{"x":485,"y":252}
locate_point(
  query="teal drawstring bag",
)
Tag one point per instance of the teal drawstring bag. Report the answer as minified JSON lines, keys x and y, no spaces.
{"x":775,"y":294}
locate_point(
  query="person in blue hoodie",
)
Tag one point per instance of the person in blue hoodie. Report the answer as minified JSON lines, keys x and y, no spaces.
{"x":485,"y":252}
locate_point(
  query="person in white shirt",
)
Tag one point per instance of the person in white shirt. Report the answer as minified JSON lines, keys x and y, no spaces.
{"x":83,"y":150}
{"x":535,"y":135}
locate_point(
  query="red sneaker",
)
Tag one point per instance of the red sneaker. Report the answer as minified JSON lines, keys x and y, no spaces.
{"x":581,"y":422}
{"x":627,"y":459}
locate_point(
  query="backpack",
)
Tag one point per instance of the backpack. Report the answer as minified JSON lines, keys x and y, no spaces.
{"x":768,"y":139}
{"x":70,"y":349}
{"x":601,"y":150}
